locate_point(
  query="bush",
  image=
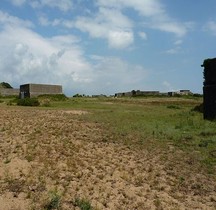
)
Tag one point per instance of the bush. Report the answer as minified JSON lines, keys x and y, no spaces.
{"x":77,"y":95}
{"x":5,"y":85}
{"x":28,"y":102}
{"x":53,"y":97}
{"x":83,"y":204}
{"x":198,"y":108}
{"x":173,"y":107}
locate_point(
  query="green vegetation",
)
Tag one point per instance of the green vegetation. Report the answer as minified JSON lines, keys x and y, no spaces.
{"x":149,"y":122}
{"x":78,"y":95}
{"x":28,"y":102}
{"x":5,"y":85}
{"x":153,"y":123}
{"x":83,"y":204}
{"x":53,"y":97}
{"x":54,"y":201}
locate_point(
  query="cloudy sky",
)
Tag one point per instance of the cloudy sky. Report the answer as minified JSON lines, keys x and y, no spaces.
{"x":107,"y":46}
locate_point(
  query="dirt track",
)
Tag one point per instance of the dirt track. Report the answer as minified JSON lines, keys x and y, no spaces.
{"x":53,"y":151}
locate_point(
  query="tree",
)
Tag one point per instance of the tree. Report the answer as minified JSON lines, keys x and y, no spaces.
{"x":5,"y":85}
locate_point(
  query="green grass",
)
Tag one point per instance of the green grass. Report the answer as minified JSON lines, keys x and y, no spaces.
{"x":54,"y":201}
{"x":83,"y":204}
{"x":152,"y":123}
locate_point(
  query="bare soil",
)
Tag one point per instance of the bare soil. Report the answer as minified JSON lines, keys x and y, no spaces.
{"x":46,"y":152}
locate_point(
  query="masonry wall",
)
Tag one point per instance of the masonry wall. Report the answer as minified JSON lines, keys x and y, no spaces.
{"x":9,"y":92}
{"x":34,"y":90}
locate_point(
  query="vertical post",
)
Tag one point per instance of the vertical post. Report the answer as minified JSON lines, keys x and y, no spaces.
{"x":209,"y":89}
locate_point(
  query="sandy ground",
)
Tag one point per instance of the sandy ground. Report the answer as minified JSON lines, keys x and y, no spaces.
{"x":52,"y":152}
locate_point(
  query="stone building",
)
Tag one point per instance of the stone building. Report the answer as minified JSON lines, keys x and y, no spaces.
{"x":34,"y":90}
{"x":137,"y":93}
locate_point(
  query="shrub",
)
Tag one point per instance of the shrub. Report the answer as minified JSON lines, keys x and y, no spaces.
{"x":198,"y":108}
{"x":173,"y":107}
{"x":5,"y":85}
{"x":53,"y":97}
{"x":83,"y":204}
{"x":77,"y":95}
{"x":54,"y":201}
{"x":28,"y":102}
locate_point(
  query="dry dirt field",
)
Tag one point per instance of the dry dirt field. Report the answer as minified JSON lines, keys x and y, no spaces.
{"x":51,"y":159}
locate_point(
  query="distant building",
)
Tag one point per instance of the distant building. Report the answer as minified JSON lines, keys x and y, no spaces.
{"x":34,"y":90}
{"x":180,"y":92}
{"x":172,"y":93}
{"x":137,"y":93}
{"x":152,"y":93}
{"x":185,"y":92}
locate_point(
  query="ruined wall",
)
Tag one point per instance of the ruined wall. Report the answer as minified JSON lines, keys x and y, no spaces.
{"x":209,"y":89}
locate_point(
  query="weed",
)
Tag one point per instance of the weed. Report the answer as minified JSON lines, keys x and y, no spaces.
{"x":83,"y":204}
{"x":29,"y":157}
{"x":173,"y":107}
{"x":7,"y":160}
{"x":139,"y":180}
{"x":54,"y":202}
{"x":157,"y":203}
{"x":181,"y":179}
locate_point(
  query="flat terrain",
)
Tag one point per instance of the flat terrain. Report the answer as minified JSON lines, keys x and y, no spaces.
{"x":107,"y":154}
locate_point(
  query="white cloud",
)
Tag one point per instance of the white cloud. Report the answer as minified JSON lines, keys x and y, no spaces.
{"x":211,"y":26}
{"x":177,"y":28}
{"x":115,"y":74}
{"x":172,"y":51}
{"x":63,"y":5}
{"x":168,"y":86}
{"x":28,"y":57}
{"x":120,"y":39}
{"x":153,"y":11}
{"x":143,"y":35}
{"x":44,"y":21}
{"x":18,"y":2}
{"x":6,"y":19}
{"x":108,"y":24}
{"x":31,"y":58}
{"x":178,"y":42}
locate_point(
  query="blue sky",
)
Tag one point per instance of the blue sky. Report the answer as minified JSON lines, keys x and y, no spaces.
{"x":107,"y":46}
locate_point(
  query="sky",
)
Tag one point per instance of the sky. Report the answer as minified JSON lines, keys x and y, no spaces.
{"x":107,"y":46}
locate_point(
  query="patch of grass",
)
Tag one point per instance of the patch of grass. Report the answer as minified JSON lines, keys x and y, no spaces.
{"x":173,"y":107}
{"x":7,"y":161}
{"x":53,"y":97}
{"x":83,"y":204}
{"x":28,"y":102}
{"x":148,"y":122}
{"x":54,"y":201}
